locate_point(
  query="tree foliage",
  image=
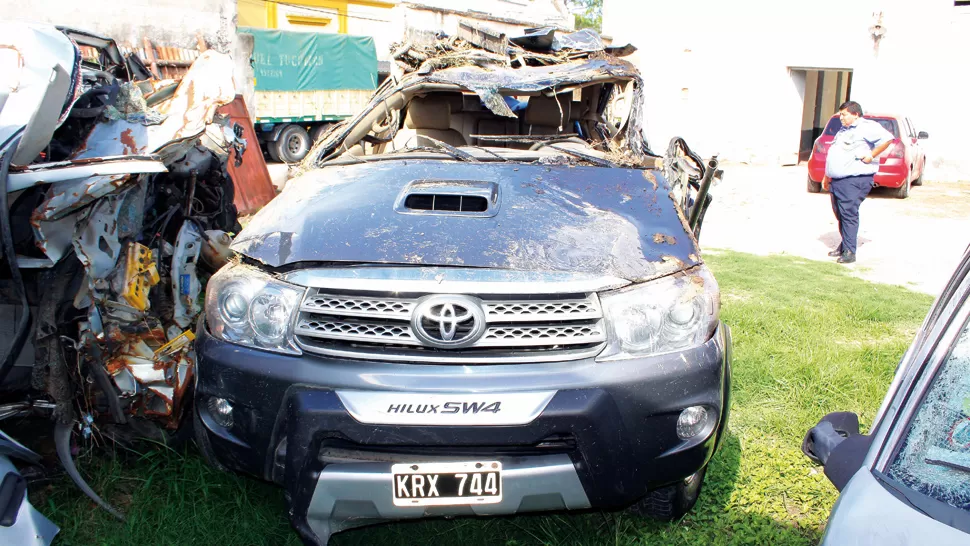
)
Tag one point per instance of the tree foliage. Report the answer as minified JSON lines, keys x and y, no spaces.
{"x":587,"y":13}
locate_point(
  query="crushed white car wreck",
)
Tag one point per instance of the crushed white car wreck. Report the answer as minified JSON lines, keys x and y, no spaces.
{"x":116,"y":211}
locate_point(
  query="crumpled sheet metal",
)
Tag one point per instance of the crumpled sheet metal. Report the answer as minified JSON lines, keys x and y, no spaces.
{"x":207,"y":86}
{"x":27,"y":55}
{"x":63,"y":171}
{"x":96,"y":238}
{"x":489,"y":83}
{"x":185,"y":281}
{"x":73,"y":195}
{"x":165,"y":373}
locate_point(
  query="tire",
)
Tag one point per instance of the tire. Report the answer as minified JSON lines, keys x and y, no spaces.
{"x":813,"y":186}
{"x":919,"y":179}
{"x":674,"y":501}
{"x":274,"y":154}
{"x":291,"y":146}
{"x":319,"y":131}
{"x":902,"y":192}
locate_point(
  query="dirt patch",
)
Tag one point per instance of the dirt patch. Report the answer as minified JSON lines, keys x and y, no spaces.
{"x":914,"y":242}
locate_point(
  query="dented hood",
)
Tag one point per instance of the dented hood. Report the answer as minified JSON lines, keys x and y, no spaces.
{"x":617,"y":222}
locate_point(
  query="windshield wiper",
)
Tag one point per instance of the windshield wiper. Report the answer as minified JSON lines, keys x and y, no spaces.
{"x":585,"y":157}
{"x":440,"y":146}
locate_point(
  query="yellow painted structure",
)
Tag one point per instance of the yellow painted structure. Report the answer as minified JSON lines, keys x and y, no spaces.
{"x":265,"y":13}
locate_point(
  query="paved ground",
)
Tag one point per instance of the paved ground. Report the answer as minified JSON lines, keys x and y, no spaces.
{"x":915,"y":242}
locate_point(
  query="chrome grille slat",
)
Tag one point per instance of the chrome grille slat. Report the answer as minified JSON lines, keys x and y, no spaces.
{"x":534,"y":336}
{"x":358,"y":306}
{"x":325,"y":327}
{"x":536,"y":311}
{"x":495,"y":336}
{"x":377,"y":325}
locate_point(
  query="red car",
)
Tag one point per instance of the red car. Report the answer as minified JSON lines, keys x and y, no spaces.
{"x":900,"y":166}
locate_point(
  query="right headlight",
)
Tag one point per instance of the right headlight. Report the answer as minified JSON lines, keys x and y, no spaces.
{"x":247,"y":306}
{"x":661,"y":316}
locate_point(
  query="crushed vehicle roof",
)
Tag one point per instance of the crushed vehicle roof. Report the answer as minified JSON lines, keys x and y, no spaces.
{"x":494,"y":66}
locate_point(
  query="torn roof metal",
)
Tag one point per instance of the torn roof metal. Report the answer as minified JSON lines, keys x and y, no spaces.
{"x":492,"y":82}
{"x":452,"y":63}
{"x":207,"y":86}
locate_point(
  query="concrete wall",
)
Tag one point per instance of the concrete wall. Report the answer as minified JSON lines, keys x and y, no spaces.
{"x":387,"y":22}
{"x":543,"y":12}
{"x":719,"y":73}
{"x":169,"y":22}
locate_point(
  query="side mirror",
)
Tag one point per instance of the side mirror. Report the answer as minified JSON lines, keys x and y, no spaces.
{"x":922,"y":135}
{"x":835,"y":443}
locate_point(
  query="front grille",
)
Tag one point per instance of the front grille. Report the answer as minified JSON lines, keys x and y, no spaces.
{"x":374,"y":325}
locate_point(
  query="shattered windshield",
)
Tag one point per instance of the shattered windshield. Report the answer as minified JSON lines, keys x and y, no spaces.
{"x":935,"y":456}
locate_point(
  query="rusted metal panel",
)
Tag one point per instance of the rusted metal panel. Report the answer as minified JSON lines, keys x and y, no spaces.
{"x":254,"y":187}
{"x":207,"y":86}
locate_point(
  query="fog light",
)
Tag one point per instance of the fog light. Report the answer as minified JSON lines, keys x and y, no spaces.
{"x":221,"y":411}
{"x":692,"y":421}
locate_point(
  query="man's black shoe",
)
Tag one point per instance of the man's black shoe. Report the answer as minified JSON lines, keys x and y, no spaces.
{"x":846,"y":258}
{"x":835,"y":253}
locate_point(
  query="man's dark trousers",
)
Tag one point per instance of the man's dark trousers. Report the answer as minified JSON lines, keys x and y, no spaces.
{"x":847,"y":194}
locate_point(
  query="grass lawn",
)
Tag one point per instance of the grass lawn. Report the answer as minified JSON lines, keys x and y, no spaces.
{"x":808,"y":339}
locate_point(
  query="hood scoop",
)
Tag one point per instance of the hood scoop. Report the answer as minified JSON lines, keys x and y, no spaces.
{"x":472,"y":198}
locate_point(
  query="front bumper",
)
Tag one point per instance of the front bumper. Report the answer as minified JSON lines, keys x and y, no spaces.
{"x":605,"y":438}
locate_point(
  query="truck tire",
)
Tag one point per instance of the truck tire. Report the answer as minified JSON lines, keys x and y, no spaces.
{"x":319,"y":131}
{"x":674,"y":501}
{"x":291,"y":146}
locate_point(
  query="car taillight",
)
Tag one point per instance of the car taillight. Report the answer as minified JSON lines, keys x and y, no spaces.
{"x":821,"y":147}
{"x":897,"y":150}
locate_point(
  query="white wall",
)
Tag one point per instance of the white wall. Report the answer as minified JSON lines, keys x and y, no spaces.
{"x":534,"y":11}
{"x":171,"y":22}
{"x":718,"y":74}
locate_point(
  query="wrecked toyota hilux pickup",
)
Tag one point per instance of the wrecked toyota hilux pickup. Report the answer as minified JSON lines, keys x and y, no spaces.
{"x":483,"y":296}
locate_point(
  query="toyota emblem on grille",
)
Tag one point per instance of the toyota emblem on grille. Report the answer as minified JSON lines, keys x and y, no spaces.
{"x":448,"y":322}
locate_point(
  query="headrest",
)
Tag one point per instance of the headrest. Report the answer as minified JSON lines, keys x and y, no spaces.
{"x":546,"y":112}
{"x":428,"y":113}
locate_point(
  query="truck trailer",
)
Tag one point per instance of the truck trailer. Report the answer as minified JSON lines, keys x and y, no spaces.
{"x":305,"y":82}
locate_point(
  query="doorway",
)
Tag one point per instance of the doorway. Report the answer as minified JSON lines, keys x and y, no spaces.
{"x":824,"y":89}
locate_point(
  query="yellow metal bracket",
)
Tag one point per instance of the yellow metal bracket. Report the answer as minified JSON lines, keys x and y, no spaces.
{"x":140,"y":275}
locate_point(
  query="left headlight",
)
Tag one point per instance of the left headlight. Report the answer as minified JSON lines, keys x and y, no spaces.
{"x":661,"y":316}
{"x":246,"y":306}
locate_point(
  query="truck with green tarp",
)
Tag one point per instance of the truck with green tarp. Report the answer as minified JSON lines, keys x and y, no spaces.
{"x":306,"y":81}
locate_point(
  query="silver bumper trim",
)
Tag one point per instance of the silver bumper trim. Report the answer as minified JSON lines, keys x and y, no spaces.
{"x":349,"y":495}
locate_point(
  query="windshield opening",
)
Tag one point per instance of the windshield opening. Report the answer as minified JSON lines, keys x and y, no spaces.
{"x":590,"y":116}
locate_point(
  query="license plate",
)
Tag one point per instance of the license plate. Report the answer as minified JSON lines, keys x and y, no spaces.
{"x":446,"y":484}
